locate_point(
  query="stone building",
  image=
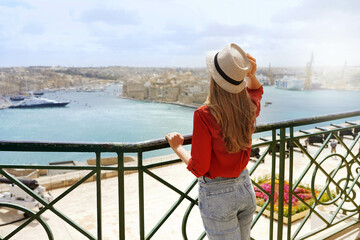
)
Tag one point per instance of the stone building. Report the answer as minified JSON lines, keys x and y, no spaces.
{"x":171,"y":93}
{"x":152,"y":92}
{"x":135,"y":90}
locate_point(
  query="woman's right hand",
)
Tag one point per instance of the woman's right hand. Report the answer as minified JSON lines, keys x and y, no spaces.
{"x":175,"y":140}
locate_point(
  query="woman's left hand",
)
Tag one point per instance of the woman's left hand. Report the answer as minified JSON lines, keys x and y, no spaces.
{"x":175,"y":140}
{"x":252,"y":61}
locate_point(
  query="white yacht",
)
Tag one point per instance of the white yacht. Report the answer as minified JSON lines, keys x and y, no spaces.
{"x":38,"y":103}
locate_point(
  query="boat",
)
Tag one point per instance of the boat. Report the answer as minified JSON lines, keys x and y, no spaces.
{"x":39,"y":103}
{"x":290,"y":83}
{"x":17,"y":98}
{"x":267,"y":103}
{"x":39,"y":93}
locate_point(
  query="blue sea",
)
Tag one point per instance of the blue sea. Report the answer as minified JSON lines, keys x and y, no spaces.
{"x":104,"y":117}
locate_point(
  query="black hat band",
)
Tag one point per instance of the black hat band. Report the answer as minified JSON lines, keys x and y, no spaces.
{"x":221,"y":72}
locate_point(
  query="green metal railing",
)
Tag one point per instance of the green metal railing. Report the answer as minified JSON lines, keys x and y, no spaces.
{"x":280,"y":134}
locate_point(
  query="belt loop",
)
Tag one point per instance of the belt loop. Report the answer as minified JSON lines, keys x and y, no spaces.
{"x":204,"y":179}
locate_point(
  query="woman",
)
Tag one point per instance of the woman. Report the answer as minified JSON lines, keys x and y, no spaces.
{"x":221,"y":144}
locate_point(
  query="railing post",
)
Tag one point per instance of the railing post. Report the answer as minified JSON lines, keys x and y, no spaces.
{"x":273,"y":169}
{"x":281,"y":183}
{"x":291,"y":165}
{"x":121,"y":195}
{"x":98,"y":194}
{"x":141,"y":196}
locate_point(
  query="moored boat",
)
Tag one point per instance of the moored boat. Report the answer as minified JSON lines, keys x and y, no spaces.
{"x":17,"y":98}
{"x":290,"y":83}
{"x":39,"y":93}
{"x":39,"y":103}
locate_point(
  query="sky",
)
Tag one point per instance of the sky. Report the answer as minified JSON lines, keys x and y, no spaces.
{"x":177,"y":33}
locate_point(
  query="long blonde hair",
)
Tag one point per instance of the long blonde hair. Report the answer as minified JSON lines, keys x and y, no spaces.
{"x":235,"y":113}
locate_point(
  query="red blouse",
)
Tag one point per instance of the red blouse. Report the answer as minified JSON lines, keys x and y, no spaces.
{"x":209,"y":157}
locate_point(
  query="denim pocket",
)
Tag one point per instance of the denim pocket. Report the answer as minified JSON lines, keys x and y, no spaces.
{"x":250,"y":189}
{"x":219,"y":203}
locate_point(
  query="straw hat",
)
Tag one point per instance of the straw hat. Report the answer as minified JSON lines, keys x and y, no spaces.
{"x":229,"y":67}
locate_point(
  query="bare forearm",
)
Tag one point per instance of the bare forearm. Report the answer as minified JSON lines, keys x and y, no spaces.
{"x":183,"y":154}
{"x":253,"y":82}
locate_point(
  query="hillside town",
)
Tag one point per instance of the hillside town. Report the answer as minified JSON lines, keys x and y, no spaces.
{"x":186,"y":86}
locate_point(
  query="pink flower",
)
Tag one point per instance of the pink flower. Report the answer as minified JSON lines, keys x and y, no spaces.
{"x":301,"y":190}
{"x":293,"y":199}
{"x":305,"y":196}
{"x":266,"y":187}
{"x":265,"y":196}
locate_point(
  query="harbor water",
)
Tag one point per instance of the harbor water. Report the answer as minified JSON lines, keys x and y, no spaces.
{"x":104,"y":117}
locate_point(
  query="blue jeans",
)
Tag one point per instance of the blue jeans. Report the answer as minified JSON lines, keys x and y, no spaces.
{"x":227,"y":206}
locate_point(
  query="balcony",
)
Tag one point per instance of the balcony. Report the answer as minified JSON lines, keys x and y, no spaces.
{"x":156,"y":198}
